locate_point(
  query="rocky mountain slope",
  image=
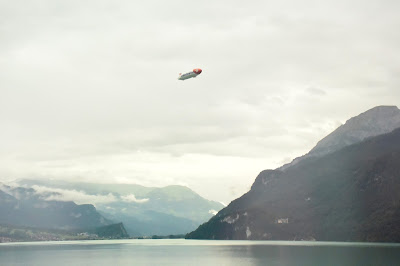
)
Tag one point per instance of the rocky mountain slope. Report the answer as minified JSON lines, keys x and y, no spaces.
{"x":376,"y":121}
{"x":350,"y":194}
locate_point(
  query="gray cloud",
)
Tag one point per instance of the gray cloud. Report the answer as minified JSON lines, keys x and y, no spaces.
{"x":132,"y":198}
{"x":79,"y":197}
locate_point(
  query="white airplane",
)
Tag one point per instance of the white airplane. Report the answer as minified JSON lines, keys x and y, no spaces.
{"x":189,"y":75}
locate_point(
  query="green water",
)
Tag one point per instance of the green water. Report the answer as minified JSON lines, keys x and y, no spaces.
{"x":197,"y":252}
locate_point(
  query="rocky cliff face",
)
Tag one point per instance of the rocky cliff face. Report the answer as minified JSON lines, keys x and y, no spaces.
{"x":376,"y":121}
{"x":350,"y":194}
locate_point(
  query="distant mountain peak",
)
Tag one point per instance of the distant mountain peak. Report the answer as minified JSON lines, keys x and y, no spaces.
{"x":376,"y":121}
{"x":373,"y":122}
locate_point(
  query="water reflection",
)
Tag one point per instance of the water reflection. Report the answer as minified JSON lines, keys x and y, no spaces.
{"x":183,"y":252}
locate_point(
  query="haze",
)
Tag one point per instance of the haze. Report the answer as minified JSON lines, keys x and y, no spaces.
{"x":89,"y":89}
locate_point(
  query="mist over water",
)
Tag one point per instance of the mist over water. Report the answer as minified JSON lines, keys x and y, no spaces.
{"x":198,"y":252}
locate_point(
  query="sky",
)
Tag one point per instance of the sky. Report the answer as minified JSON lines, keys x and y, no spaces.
{"x":89,"y":89}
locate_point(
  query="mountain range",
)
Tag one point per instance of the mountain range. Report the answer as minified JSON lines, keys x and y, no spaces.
{"x":144,"y":211}
{"x":345,"y":189}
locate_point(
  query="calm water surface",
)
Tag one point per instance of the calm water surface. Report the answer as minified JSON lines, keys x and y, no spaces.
{"x":197,"y":252}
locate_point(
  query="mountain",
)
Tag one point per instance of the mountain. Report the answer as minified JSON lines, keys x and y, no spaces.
{"x":112,"y":231}
{"x":21,"y":206}
{"x":350,"y":194}
{"x":145,"y":211}
{"x":376,"y":121}
{"x":148,"y":223}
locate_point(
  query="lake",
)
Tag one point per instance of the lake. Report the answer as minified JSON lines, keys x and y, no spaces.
{"x":197,"y":252}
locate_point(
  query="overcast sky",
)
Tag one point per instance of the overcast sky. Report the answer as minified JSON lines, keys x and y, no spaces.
{"x":89,"y":89}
